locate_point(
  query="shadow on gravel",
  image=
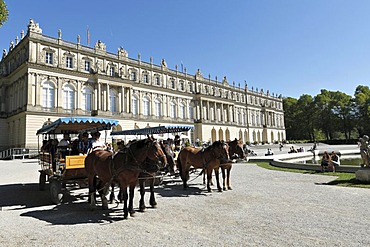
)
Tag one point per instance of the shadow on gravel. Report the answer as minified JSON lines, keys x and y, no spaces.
{"x":20,"y":196}
{"x":177,"y":190}
{"x":76,"y":213}
{"x":73,"y":210}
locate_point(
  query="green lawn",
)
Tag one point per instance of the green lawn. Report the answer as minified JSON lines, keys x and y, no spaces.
{"x":344,"y":179}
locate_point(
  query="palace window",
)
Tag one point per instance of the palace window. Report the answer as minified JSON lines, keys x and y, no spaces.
{"x":87,"y":65}
{"x":111,"y":71}
{"x":182,"y":87}
{"x":157,"y":81}
{"x":134,"y":105}
{"x":146,"y":78}
{"x":133,"y":76}
{"x":49,"y":58}
{"x":173,"y":109}
{"x":191,"y":111}
{"x":48,"y":95}
{"x":158,"y":106}
{"x":182,"y":110}
{"x":173,"y":83}
{"x":69,"y":62}
{"x":68,"y":97}
{"x":86,"y":99}
{"x":113,"y":100}
{"x":146,"y":106}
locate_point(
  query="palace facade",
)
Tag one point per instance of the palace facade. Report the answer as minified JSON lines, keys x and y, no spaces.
{"x":44,"y":78}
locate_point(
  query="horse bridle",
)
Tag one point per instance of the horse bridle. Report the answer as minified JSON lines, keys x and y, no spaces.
{"x":140,"y":165}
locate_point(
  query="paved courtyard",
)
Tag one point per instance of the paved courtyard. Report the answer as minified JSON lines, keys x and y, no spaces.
{"x":265,"y":208}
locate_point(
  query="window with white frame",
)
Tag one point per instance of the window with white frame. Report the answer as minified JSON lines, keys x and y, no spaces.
{"x":190,"y":87}
{"x":86,"y":99}
{"x":173,"y":84}
{"x":68,"y":97}
{"x":173,"y":109}
{"x":87,"y":65}
{"x":146,"y":78}
{"x":157,"y":81}
{"x":49,"y":57}
{"x":133,"y":76}
{"x":48,"y":95}
{"x":69,"y":62}
{"x":111,"y":71}
{"x":134,"y":106}
{"x":191,"y":111}
{"x":182,"y":86}
{"x":182,"y":110}
{"x":113,"y":100}
{"x":158,"y":107}
{"x":146,"y":106}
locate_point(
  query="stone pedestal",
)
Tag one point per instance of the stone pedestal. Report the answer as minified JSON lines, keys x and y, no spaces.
{"x":363,"y":175}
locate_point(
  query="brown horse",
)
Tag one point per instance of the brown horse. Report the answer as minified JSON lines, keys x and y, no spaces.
{"x":150,"y":177}
{"x":202,"y":158}
{"x":124,"y":168}
{"x":236,"y":152}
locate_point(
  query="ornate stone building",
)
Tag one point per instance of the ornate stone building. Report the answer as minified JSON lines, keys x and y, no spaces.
{"x":43,"y":78}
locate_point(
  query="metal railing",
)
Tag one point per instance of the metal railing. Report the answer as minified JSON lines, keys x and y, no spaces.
{"x":18,"y":153}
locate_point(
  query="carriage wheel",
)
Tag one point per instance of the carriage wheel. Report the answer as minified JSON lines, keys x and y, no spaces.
{"x":42,"y":180}
{"x":56,"y":194}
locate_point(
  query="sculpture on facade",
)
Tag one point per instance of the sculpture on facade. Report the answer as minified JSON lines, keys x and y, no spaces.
{"x":163,"y":63}
{"x":364,"y":151}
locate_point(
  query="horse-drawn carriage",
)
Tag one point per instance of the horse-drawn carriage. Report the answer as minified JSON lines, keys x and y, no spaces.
{"x":61,"y":165}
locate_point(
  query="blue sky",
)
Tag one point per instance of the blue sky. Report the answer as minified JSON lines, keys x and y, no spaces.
{"x":289,"y":47}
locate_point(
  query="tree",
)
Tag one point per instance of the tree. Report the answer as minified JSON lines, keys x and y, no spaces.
{"x":362,"y":110}
{"x":3,"y":12}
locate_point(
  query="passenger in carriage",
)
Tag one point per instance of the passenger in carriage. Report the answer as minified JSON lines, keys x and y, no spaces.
{"x":83,"y":145}
{"x":177,"y":143}
{"x":96,"y":144}
{"x":64,"y":145}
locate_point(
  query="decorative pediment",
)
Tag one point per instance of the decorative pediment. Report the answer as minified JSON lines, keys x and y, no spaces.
{"x":100,"y":46}
{"x":34,"y":27}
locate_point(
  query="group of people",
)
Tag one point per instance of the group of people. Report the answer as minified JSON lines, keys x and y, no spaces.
{"x":83,"y":145}
{"x":329,"y":161}
{"x":298,"y":150}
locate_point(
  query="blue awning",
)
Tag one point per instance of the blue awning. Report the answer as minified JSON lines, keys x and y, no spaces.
{"x":75,"y":125}
{"x":153,"y":130}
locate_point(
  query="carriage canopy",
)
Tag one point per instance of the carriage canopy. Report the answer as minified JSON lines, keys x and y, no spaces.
{"x":76,"y":125}
{"x":153,"y":130}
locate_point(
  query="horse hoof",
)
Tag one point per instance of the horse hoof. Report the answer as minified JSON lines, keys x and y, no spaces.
{"x":219,"y":190}
{"x":132,"y":213}
{"x":142,"y":209}
{"x":229,"y":188}
{"x":224,"y":188}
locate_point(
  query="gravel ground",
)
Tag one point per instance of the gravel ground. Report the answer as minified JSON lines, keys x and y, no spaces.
{"x":265,"y":208}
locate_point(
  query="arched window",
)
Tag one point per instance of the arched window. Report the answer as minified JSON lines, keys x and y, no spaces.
{"x":173,"y":109}
{"x":134,"y":105}
{"x":68,"y":97}
{"x":146,"y":106}
{"x":158,"y":107}
{"x":86,"y":99}
{"x":113,"y":100}
{"x":48,"y":95}
{"x":181,"y":110}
